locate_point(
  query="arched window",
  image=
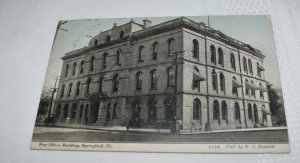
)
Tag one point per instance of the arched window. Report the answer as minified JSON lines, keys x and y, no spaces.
{"x":100,"y":86}
{"x":216,"y":110}
{"x":221,"y":56}
{"x":141,"y":53}
{"x":62,"y":91}
{"x":95,"y":42}
{"x":92,"y":60}
{"x":153,"y":76}
{"x":118,"y":57}
{"x":250,"y":66}
{"x":196,"y":109}
{"x":237,"y":112}
{"x":250,"y":115}
{"x":252,"y":89}
{"x":214,"y":80}
{"x":196,"y":78}
{"x":232,"y":61}
{"x":115,"y":82}
{"x":139,"y":80}
{"x":155,"y":51}
{"x":152,"y":110}
{"x":261,"y":93}
{"x":122,"y":34}
{"x":81,"y":112}
{"x":222,"y":82}
{"x":74,"y":68}
{"x":170,"y":77}
{"x":70,"y":89}
{"x":66,"y":110}
{"x":86,"y":113}
{"x":73,"y":111}
{"x":247,"y":88}
{"x":88,"y":83}
{"x":195,"y":49}
{"x":171,"y":46}
{"x":213,"y":56}
{"x":81,"y":67}
{"x":67,"y":70}
{"x":258,"y":71}
{"x":115,"y":116}
{"x":224,"y":110}
{"x":104,"y":60}
{"x":245,"y":65}
{"x":234,"y":88}
{"x":78,"y":86}
{"x":255,"y":114}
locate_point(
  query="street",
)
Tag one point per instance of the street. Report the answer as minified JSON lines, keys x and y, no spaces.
{"x":86,"y":135}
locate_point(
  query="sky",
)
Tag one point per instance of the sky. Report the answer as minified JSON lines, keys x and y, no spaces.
{"x":253,"y":30}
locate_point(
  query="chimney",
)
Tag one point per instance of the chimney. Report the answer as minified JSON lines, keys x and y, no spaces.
{"x":147,"y":23}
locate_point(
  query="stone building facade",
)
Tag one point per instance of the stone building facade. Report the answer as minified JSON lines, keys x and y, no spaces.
{"x":150,"y":75}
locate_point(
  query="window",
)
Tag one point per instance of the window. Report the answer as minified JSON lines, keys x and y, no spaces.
{"x":221,"y":57}
{"x":224,"y":110}
{"x":214,"y":80}
{"x":247,"y":88}
{"x":216,"y":110}
{"x":222,"y":82}
{"x":114,"y":116}
{"x":107,"y":111}
{"x":195,"y":49}
{"x":250,"y":67}
{"x":261,"y":93}
{"x":74,"y":68}
{"x":213,"y":56}
{"x":141,"y":50}
{"x":88,"y":83}
{"x":255,"y":114}
{"x":70,"y":89}
{"x":65,"y":111}
{"x":171,"y":46}
{"x":170,"y":77}
{"x":104,"y":60}
{"x":252,"y":89}
{"x":234,"y":88}
{"x":196,"y":109}
{"x":122,"y":34}
{"x":139,"y":80}
{"x":155,"y":51}
{"x":78,"y":85}
{"x":232,"y":60}
{"x":258,"y":71}
{"x":107,"y":38}
{"x":118,"y":57}
{"x":237,"y":112}
{"x":153,"y":76}
{"x":115,"y":83}
{"x":67,"y":70}
{"x":80,"y":113}
{"x":81,"y":67}
{"x":250,"y":116}
{"x":92,"y":60}
{"x":245,"y":65}
{"x":62,"y":90}
{"x":152,"y":110}
{"x":100,"y":86}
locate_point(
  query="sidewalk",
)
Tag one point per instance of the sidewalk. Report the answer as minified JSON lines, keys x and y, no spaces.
{"x":149,"y":130}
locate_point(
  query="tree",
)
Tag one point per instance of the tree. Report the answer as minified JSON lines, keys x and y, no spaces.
{"x":276,"y":106}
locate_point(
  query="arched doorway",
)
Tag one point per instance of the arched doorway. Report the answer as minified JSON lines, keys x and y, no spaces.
{"x":86,"y":114}
{"x":170,"y":110}
{"x":152,"y":110}
{"x":135,"y":115}
{"x":58,"y":112}
{"x":81,"y":113}
{"x":237,"y":112}
{"x":107,"y":112}
{"x":216,"y":110}
{"x":73,"y":112}
{"x":65,"y":112}
{"x":224,"y":111}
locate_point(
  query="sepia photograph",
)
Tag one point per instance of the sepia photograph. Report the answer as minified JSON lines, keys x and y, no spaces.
{"x":193,"y":84}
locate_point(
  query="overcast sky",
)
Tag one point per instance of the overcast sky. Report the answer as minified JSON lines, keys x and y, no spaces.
{"x":253,"y":30}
